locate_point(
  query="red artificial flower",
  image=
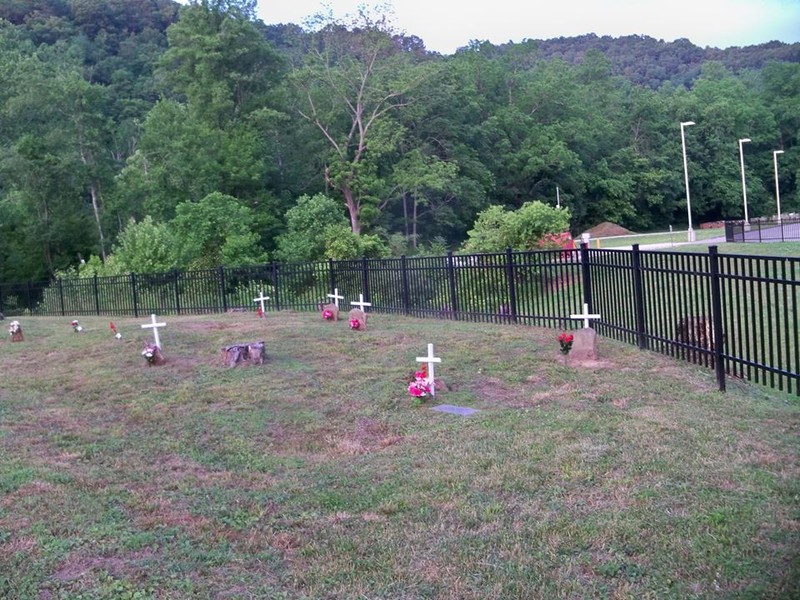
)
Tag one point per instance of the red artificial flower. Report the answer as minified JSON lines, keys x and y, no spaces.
{"x":355,"y":323}
{"x":327,"y":315}
{"x":260,"y":313}
{"x":113,"y":327}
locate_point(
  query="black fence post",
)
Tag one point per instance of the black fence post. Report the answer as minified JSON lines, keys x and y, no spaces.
{"x":177,"y":293}
{"x":587,"y":276}
{"x":451,"y":278}
{"x":222,"y":289}
{"x":404,"y":276}
{"x":638,"y":297}
{"x":275,"y":285}
{"x":512,"y":285}
{"x":61,"y":295}
{"x":134,"y":295}
{"x":365,"y":278}
{"x":716,"y":309}
{"x":331,"y":274}
{"x":29,"y":294}
{"x":96,"y":296}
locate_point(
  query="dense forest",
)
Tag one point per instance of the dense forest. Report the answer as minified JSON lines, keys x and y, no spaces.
{"x":143,"y":135}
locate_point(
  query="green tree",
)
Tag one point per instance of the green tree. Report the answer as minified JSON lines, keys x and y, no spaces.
{"x":216,"y":231}
{"x":523,"y":229}
{"x":353,"y":84}
{"x":145,"y":247}
{"x":307,"y":224}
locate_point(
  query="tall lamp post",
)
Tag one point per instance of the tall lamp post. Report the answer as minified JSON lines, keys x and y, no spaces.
{"x":777,"y":185}
{"x":744,"y":185}
{"x":691,"y":237}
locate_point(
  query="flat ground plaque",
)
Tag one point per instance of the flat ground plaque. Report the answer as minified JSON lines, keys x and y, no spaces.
{"x":455,"y":410}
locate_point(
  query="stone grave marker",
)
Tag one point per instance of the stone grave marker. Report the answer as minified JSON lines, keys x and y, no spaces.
{"x":330,"y":312}
{"x":357,"y":319}
{"x":584,"y":344}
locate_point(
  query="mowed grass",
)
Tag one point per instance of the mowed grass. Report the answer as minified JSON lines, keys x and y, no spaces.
{"x":314,"y":475}
{"x":676,"y":237}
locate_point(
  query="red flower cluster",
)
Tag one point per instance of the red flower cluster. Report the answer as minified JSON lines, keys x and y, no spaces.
{"x":355,"y":324}
{"x":565,"y":340}
{"x":327,"y":315}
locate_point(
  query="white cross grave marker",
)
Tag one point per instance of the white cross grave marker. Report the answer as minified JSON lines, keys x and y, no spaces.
{"x":361,"y":304}
{"x":336,"y":297}
{"x":585,"y":316}
{"x":154,"y":326}
{"x":430,"y":360}
{"x":261,"y":299}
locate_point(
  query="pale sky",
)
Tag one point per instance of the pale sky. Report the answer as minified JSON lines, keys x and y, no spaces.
{"x":445,"y":25}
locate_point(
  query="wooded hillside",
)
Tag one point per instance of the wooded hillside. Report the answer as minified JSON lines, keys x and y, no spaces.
{"x":141,"y":135}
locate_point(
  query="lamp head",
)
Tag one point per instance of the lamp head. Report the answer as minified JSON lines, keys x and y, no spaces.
{"x":777,"y":151}
{"x":743,"y":140}
{"x":686,"y":123}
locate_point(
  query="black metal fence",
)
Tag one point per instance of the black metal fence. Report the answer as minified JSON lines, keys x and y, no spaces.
{"x":764,"y":230}
{"x":736,"y":314}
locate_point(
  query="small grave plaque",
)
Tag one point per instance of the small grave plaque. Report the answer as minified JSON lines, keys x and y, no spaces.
{"x":455,"y":410}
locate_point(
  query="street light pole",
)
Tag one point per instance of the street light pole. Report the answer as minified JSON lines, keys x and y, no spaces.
{"x":777,"y":186}
{"x":691,"y":236}
{"x":744,"y":185}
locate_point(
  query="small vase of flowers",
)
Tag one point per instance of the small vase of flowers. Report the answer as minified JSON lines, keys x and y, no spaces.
{"x":565,"y":342}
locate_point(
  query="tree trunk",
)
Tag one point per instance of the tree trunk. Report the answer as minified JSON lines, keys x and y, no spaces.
{"x":352,"y":208}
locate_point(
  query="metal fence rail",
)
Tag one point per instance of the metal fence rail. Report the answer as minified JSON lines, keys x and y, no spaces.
{"x":735,"y":314}
{"x":763,"y":230}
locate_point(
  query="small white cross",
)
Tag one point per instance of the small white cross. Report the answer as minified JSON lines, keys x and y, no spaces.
{"x":154,"y":326}
{"x":430,"y":360}
{"x":261,"y":299}
{"x":336,"y":297}
{"x":585,"y":316}
{"x":361,"y":304}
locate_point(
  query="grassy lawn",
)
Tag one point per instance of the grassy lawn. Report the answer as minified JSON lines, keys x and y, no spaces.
{"x":788,"y":249}
{"x":676,"y":237}
{"x":315,"y":476}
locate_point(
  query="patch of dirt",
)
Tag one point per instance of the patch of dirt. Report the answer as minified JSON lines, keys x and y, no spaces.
{"x":607,"y":229}
{"x":493,"y":390}
{"x":369,"y":435}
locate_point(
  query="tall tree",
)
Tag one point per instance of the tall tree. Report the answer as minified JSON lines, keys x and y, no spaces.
{"x":354,"y":81}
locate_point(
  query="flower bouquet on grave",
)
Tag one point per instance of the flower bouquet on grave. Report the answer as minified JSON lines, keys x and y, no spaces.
{"x":565,"y":342}
{"x":113,"y":327}
{"x":418,"y":384}
{"x":327,"y":315}
{"x":355,"y":324}
{"x":76,"y":327}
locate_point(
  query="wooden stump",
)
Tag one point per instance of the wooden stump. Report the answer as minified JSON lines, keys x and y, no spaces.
{"x":235,"y":354}
{"x":153,"y":356}
{"x":357,"y":316}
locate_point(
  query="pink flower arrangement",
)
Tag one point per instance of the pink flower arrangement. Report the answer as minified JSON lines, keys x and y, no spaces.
{"x":355,"y":324}
{"x":327,"y":315}
{"x":419,"y":387}
{"x":76,"y":327}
